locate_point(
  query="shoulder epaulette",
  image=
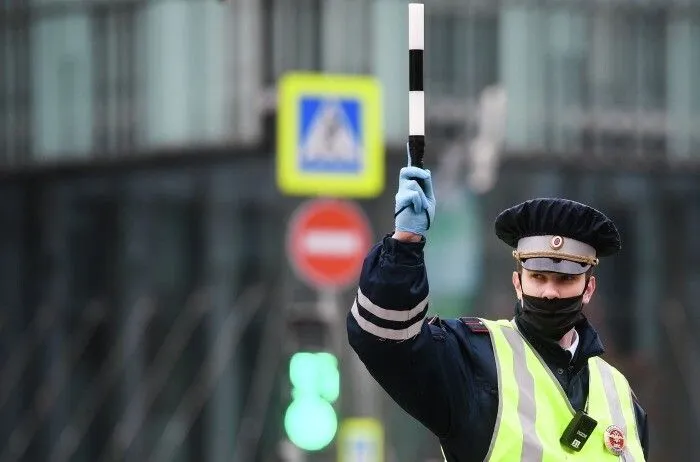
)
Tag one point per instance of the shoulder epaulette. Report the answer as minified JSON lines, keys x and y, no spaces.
{"x":475,"y":325}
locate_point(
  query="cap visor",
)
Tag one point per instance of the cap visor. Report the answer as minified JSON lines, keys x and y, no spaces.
{"x":555,"y":266}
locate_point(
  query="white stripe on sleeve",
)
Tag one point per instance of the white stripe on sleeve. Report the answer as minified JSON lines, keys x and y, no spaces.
{"x":390,"y":334}
{"x":390,"y":315}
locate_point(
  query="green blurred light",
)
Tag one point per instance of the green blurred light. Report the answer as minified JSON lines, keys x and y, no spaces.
{"x":310,"y":422}
{"x":315,"y":374}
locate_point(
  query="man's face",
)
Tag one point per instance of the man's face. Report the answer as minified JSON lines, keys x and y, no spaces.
{"x":553,"y":285}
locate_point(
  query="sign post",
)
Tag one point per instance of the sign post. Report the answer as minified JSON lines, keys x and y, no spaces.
{"x":327,"y":240}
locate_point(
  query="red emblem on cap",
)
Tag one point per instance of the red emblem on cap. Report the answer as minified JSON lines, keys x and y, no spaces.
{"x":614,"y":439}
{"x":557,"y":242}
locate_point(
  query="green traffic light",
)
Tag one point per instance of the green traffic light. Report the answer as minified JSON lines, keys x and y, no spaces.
{"x":311,"y":423}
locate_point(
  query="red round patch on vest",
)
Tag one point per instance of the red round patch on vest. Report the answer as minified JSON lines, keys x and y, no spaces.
{"x":614,"y":439}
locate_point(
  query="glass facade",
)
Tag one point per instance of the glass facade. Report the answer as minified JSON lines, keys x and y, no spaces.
{"x":102,"y":79}
{"x":88,"y":78}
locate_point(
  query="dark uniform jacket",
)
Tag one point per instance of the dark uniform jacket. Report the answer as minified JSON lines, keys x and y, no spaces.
{"x":445,"y":376}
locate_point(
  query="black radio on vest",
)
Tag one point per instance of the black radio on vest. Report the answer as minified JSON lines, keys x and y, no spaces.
{"x":578,"y":431}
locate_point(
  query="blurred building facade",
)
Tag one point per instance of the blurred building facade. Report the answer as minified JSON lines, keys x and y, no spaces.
{"x":90,"y":78}
{"x":143,"y":269}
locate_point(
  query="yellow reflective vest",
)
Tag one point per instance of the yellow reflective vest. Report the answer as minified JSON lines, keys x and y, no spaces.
{"x":534,"y":411}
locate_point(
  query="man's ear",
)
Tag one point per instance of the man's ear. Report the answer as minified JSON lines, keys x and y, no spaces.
{"x":517,"y":286}
{"x":590,"y":288}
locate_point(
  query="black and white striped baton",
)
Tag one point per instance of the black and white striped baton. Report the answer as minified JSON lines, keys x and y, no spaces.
{"x":416,"y":99}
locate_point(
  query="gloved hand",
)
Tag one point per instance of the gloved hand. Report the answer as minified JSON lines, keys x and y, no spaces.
{"x":414,"y":209}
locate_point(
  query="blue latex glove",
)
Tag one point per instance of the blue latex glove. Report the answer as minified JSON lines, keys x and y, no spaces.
{"x":414,"y":209}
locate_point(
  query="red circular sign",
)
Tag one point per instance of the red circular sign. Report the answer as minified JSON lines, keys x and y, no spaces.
{"x":327,"y":242}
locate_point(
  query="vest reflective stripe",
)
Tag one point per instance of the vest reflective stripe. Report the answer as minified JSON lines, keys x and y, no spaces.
{"x":525,"y":445}
{"x":617,"y":405}
{"x":533,"y":409}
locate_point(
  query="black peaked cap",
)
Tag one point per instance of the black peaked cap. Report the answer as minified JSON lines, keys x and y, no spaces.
{"x":559,"y":217}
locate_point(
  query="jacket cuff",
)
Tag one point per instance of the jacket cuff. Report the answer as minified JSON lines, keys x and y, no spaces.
{"x":402,"y":253}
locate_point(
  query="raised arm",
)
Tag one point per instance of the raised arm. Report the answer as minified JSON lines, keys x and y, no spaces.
{"x":413,"y":361}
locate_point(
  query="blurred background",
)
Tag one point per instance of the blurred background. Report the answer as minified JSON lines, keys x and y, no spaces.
{"x":166,"y":290}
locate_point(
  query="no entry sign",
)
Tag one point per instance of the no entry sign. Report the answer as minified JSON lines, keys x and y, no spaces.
{"x":327,"y":241}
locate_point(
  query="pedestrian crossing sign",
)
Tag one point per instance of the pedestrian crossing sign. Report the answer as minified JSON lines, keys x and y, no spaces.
{"x":360,"y":439}
{"x":329,"y":136}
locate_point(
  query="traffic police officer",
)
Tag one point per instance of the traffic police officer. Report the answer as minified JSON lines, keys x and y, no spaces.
{"x":531,"y":388}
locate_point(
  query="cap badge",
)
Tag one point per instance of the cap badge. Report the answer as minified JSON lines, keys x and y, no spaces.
{"x":614,"y":439}
{"x":557,"y":242}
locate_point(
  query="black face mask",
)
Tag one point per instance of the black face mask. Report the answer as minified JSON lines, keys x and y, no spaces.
{"x":551,"y":318}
